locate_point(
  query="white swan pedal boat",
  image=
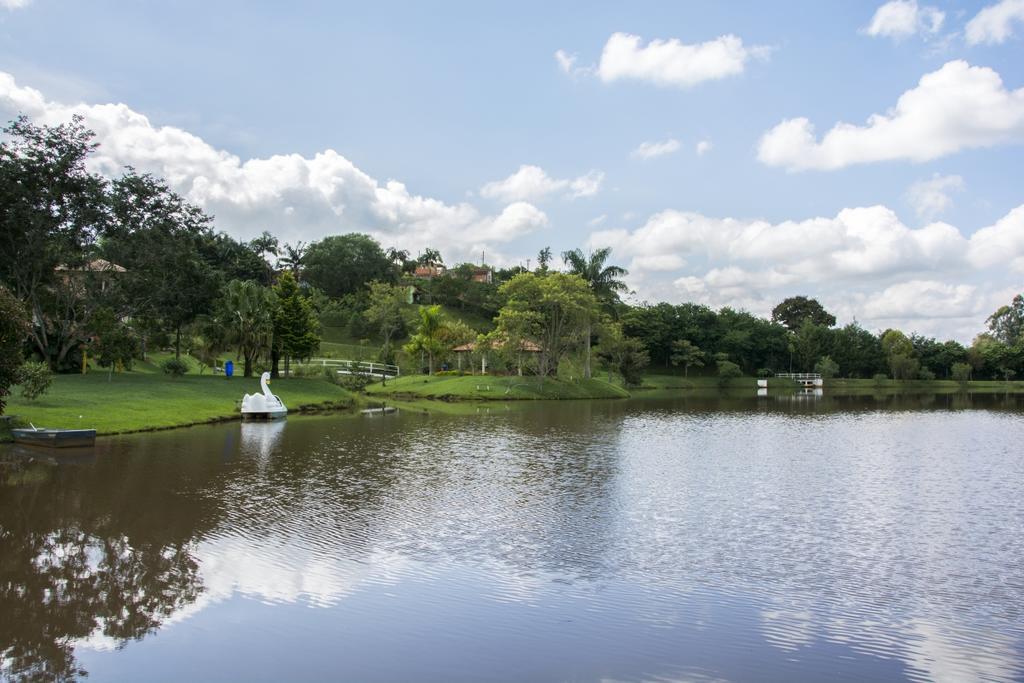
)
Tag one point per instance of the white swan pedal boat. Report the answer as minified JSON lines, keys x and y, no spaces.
{"x":263,"y":406}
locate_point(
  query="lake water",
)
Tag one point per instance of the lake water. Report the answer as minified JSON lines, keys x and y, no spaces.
{"x":743,"y":539}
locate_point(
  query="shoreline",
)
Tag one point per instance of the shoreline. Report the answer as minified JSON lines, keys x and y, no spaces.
{"x":134,"y":404}
{"x":145,"y":402}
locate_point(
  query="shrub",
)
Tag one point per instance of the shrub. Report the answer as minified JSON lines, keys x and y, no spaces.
{"x":764,"y":373}
{"x":925,"y":374}
{"x":961,"y":372}
{"x":826,"y":367}
{"x":880,"y":379}
{"x":353,"y":382}
{"x":305,"y":370}
{"x":35,"y":380}
{"x":728,"y":370}
{"x":175,"y":367}
{"x":349,"y":382}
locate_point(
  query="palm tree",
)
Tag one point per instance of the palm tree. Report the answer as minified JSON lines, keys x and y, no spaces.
{"x":293,"y":257}
{"x":264,"y":244}
{"x":428,"y":336}
{"x":248,"y":309}
{"x":400,"y":259}
{"x":603,"y":281}
{"x":431,"y":258}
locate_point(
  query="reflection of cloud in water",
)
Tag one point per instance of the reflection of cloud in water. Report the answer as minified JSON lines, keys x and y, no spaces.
{"x":789,"y":627}
{"x":281,"y":572}
{"x":260,"y":439}
{"x":945,"y":653}
{"x":934,"y":650}
{"x":746,"y":514}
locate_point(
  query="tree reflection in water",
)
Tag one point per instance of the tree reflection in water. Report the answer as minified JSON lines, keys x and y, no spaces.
{"x":86,"y":561}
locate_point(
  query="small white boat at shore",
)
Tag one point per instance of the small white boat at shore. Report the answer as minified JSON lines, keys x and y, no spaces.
{"x":263,"y":406}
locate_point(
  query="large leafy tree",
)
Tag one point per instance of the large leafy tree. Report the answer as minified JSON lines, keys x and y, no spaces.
{"x":343,"y":264}
{"x":52,"y":209}
{"x":295,"y":324}
{"x":1007,"y":323}
{"x":810,"y":343}
{"x":554,"y":311}
{"x":625,"y":355}
{"x":687,"y":354}
{"x":234,"y":260}
{"x":938,"y":357}
{"x":14,"y":329}
{"x":856,"y":351}
{"x":794,"y":311}
{"x":605,"y":281}
{"x":899,"y":353}
{"x":160,"y":239}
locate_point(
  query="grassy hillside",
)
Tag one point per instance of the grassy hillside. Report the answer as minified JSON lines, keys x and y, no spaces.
{"x":494,"y":388}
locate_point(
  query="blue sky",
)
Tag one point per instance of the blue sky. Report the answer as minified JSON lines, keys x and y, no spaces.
{"x":446,"y":100}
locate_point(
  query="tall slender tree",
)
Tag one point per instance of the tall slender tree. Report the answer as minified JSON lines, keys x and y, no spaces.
{"x":429,"y":335}
{"x":295,"y":323}
{"x":160,"y":239}
{"x":604,"y":281}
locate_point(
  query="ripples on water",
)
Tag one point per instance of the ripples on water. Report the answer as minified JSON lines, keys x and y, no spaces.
{"x":603,"y":541}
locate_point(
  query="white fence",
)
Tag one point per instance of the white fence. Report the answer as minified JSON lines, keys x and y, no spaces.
{"x":357,"y":367}
{"x":807,"y":379}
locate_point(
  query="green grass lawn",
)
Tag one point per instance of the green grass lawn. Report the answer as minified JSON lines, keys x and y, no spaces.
{"x":482,"y":387}
{"x":141,"y":400}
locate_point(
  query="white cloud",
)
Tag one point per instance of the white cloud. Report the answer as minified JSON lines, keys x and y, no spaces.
{"x":902,"y":18}
{"x":930,"y":198}
{"x":956,"y":107}
{"x":995,"y":23}
{"x":14,"y":4}
{"x":597,"y":220}
{"x":857,"y":242}
{"x":302,"y":198}
{"x":515,"y":220}
{"x":1002,"y":243}
{"x":924,"y":299}
{"x":532,"y":183}
{"x":703,"y":147}
{"x":854,"y":262}
{"x":650,"y":150}
{"x":566,"y":62}
{"x":657,"y":262}
{"x":673,"y":63}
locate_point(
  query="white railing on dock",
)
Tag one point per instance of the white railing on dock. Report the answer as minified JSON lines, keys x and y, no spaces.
{"x":807,"y":379}
{"x":357,"y":367}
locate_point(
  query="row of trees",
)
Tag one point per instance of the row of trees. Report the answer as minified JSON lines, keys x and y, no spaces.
{"x":107,"y":268}
{"x":801,"y":336}
{"x":111,"y":268}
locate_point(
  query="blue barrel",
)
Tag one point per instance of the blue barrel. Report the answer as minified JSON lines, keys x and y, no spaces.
{"x":229,"y":368}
